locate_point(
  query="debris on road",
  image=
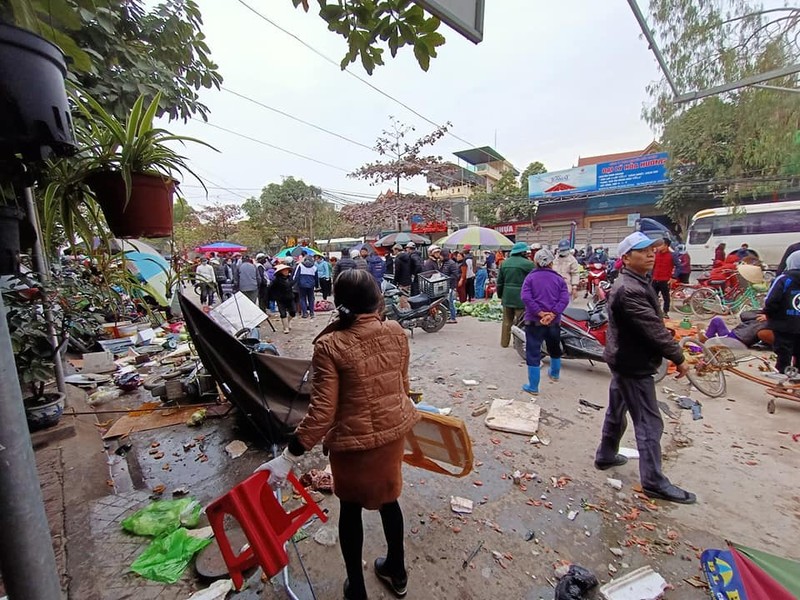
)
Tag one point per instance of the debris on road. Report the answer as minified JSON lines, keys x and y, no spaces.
{"x":614,"y":483}
{"x":575,"y":584}
{"x":588,"y":404}
{"x":461,"y":505}
{"x":513,"y":416}
{"x":642,"y":584}
{"x":327,"y":535}
{"x":236,"y":448}
{"x":216,"y":591}
{"x":472,"y":555}
{"x":482,"y":409}
{"x":470,"y":382}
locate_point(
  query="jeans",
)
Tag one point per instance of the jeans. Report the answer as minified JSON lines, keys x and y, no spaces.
{"x":451,"y":299}
{"x":306,"y":301}
{"x":534,"y":335}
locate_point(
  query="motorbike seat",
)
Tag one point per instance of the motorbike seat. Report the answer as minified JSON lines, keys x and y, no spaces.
{"x":419,"y":300}
{"x":577,"y":314}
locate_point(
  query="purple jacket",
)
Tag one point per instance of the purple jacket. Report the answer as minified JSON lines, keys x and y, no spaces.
{"x":544,"y":290}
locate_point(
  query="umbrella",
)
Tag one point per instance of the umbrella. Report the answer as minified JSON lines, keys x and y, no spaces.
{"x":750,"y":574}
{"x":402,"y":238}
{"x":149,"y":267}
{"x":296,"y":250}
{"x":477,"y":237}
{"x":222,"y":247}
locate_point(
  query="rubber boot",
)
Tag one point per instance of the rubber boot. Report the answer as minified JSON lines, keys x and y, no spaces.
{"x":555,"y":369}
{"x":285,"y":323}
{"x":532,"y":387}
{"x":289,"y":323}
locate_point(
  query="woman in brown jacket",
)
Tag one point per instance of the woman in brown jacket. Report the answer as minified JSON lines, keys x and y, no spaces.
{"x":360,"y":406}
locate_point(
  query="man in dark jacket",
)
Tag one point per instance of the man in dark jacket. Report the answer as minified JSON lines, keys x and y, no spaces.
{"x":782,"y":308}
{"x":510,"y":277}
{"x":789,"y":251}
{"x":344,"y":264}
{"x":416,"y":266}
{"x":390,"y":258}
{"x":434,"y":259}
{"x":450,"y":269}
{"x":402,"y":270}
{"x":636,"y":343}
{"x":376,"y":267}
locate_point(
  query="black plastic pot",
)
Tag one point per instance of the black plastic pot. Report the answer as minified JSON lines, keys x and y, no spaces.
{"x":10,"y":219}
{"x":34,"y":113}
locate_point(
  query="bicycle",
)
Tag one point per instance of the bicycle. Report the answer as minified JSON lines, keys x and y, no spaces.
{"x":718,"y":301}
{"x":718,"y":355}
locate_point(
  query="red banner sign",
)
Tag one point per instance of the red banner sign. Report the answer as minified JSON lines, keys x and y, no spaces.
{"x":506,"y":228}
{"x":429,"y":227}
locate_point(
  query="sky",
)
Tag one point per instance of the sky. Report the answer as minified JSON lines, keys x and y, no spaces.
{"x":551,"y":81}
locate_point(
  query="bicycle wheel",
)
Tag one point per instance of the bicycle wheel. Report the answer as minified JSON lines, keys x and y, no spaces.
{"x":708,"y":379}
{"x":662,"y":370}
{"x":704,"y":302}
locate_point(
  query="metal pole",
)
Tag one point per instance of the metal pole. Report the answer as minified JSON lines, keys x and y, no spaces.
{"x":44,"y":272}
{"x":744,"y":82}
{"x":648,"y":35}
{"x":27,"y":561}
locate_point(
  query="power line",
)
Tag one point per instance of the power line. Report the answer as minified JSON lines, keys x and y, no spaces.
{"x":349,"y":72}
{"x":298,"y":119}
{"x":273,"y":146}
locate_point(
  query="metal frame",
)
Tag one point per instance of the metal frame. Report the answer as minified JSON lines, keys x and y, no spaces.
{"x":753,"y":80}
{"x":472,"y":31}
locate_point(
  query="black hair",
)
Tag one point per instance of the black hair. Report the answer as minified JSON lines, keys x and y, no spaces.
{"x":356,"y":293}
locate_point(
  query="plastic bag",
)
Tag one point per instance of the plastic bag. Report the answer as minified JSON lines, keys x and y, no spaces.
{"x":166,"y":558}
{"x":163,"y":516}
{"x":575,"y":584}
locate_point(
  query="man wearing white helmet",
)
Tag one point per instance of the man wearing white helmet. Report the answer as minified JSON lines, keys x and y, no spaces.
{"x":566,"y":265}
{"x":636,"y":343}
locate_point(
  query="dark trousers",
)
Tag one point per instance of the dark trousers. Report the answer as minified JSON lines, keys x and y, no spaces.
{"x":207,"y":293}
{"x":414,"y":285}
{"x":684,"y":277}
{"x":351,"y":540}
{"x":637,"y":396}
{"x":786,"y":346}
{"x":470,"y":289}
{"x":306,"y":301}
{"x":325,"y":288}
{"x":286,"y":308}
{"x":534,"y":335}
{"x":252,"y":295}
{"x":662,"y":289}
{"x":263,"y":297}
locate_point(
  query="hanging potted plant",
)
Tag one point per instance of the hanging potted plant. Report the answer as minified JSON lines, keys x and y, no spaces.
{"x":131,"y":169}
{"x":33,"y":354}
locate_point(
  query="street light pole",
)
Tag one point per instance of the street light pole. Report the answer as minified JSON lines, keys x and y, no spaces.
{"x":27,"y":561}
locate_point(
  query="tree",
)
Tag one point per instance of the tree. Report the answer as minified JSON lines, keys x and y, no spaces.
{"x":403,"y":160}
{"x":391,"y":210}
{"x":369,"y":24}
{"x":286,"y":209}
{"x":120,"y":50}
{"x":506,"y":202}
{"x":188,"y":232}
{"x":534,"y":168}
{"x":221,"y":221}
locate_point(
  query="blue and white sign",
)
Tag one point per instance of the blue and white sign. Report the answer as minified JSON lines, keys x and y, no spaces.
{"x":649,"y":169}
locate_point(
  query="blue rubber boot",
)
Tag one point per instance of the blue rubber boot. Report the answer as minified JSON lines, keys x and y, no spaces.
{"x":555,"y":369}
{"x":532,"y":387}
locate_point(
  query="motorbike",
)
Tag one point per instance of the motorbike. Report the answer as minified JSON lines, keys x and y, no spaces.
{"x":596,"y":272}
{"x":428,"y":312}
{"x":583,"y":333}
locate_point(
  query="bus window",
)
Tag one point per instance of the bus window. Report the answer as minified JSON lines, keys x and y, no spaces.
{"x":700,"y":231}
{"x":784,"y":221}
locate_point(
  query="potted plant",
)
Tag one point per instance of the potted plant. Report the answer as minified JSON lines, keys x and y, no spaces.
{"x":33,"y":354}
{"x":131,"y":168}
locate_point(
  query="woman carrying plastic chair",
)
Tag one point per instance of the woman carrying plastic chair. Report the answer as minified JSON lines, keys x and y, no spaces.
{"x":360,"y":406}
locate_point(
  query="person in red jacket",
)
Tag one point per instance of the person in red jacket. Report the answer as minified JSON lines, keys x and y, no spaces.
{"x":662,"y":273}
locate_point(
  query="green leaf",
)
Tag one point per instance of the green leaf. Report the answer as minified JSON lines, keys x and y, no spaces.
{"x":430,"y":25}
{"x":422,"y":55}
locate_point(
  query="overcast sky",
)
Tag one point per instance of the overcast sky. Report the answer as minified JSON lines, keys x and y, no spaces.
{"x":551,"y":81}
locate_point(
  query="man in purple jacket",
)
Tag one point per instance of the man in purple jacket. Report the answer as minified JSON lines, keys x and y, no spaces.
{"x":545,"y":296}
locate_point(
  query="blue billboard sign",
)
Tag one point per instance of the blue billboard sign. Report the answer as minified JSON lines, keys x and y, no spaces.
{"x":649,"y":169}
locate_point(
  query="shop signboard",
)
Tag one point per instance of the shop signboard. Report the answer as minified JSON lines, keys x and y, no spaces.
{"x":649,"y":169}
{"x":506,"y":228}
{"x":429,"y":227}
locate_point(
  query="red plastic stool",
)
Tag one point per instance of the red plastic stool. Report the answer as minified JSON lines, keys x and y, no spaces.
{"x":264,"y":522}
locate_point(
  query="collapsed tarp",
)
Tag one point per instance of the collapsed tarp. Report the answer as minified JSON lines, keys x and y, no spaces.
{"x":748,"y":574}
{"x":272,"y":391}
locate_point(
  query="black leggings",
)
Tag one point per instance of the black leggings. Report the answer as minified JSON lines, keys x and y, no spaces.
{"x":351,"y":540}
{"x":662,"y":289}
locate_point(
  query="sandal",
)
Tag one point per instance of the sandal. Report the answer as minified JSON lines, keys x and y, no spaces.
{"x":672,"y":493}
{"x":618,"y":461}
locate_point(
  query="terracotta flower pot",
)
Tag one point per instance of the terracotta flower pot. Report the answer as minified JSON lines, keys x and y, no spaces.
{"x":149,"y":210}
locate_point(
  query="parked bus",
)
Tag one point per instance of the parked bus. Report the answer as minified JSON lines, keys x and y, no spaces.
{"x":766,"y":228}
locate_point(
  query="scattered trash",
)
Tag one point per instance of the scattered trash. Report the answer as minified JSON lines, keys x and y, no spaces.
{"x":561,"y":569}
{"x":472,"y":555}
{"x":685,"y":402}
{"x":163,"y":516}
{"x":629,"y":453}
{"x":180,"y":491}
{"x":513,"y":416}
{"x":470,"y":382}
{"x":696,"y":582}
{"x":197,"y":418}
{"x":588,"y":404}
{"x":491,"y":387}
{"x":517,"y":477}
{"x":697,"y":411}
{"x":480,"y":410}
{"x":575,"y":584}
{"x":572,"y":514}
{"x":320,"y":481}
{"x":166,"y":558}
{"x":216,"y":591}
{"x":440,"y":380}
{"x":102,"y":395}
{"x":666,"y":409}
{"x":204,"y":533}
{"x":535,"y":439}
{"x":612,"y":569}
{"x":614,"y":483}
{"x":236,"y":448}
{"x":530,"y":535}
{"x":616,"y":552}
{"x":327,"y":535}
{"x":641,"y":584}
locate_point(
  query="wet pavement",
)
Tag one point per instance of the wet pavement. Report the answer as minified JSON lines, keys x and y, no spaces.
{"x":736,"y":459}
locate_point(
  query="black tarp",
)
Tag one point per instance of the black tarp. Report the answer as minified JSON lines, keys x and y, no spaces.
{"x":272,"y":391}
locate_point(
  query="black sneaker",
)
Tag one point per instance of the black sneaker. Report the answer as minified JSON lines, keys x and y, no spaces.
{"x":618,"y":461}
{"x":399,"y":587}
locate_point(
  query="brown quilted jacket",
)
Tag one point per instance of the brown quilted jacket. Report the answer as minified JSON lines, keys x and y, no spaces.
{"x":359,"y":396}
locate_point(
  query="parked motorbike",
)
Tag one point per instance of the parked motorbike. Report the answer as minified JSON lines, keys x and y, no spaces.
{"x":583,"y":334}
{"x":425,"y":311}
{"x":596,"y":272}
